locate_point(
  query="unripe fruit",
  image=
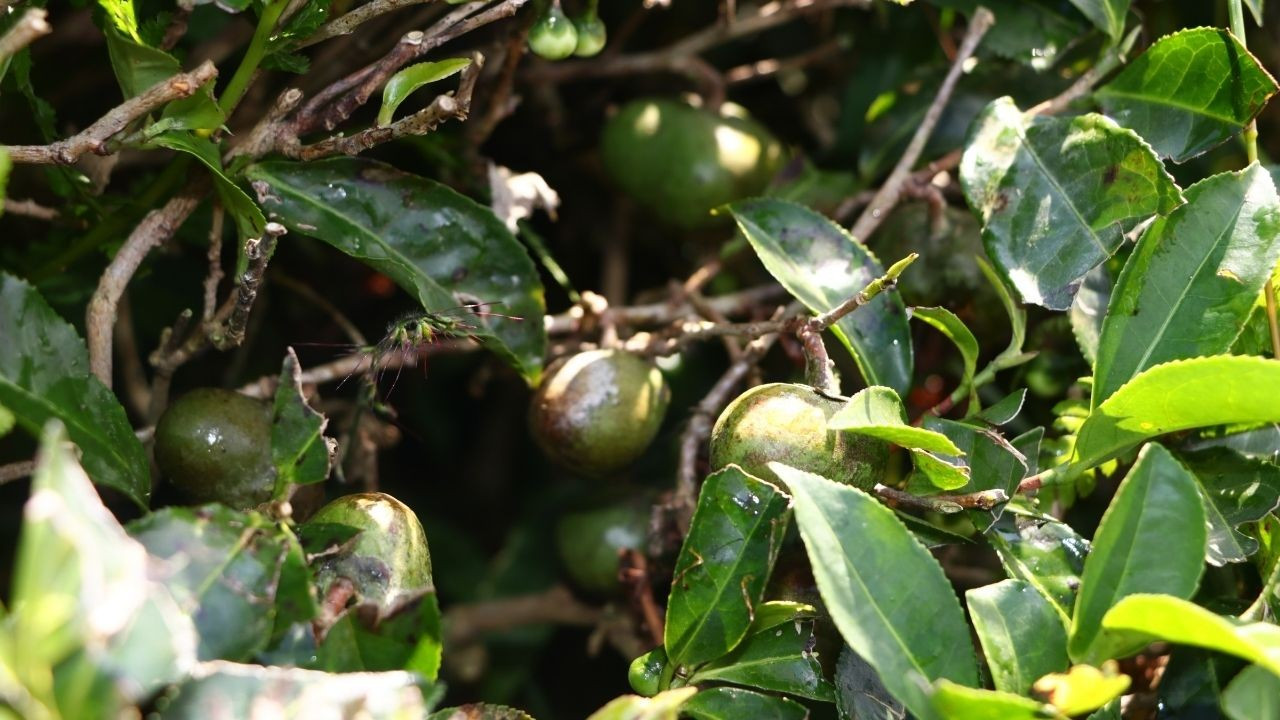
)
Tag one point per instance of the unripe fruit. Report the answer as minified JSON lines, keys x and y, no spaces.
{"x":553,"y":36}
{"x":388,"y":557}
{"x":591,"y":35}
{"x":645,"y":673}
{"x":590,"y":541}
{"x":597,"y":411}
{"x":681,"y":162}
{"x":215,"y":446}
{"x":787,"y":423}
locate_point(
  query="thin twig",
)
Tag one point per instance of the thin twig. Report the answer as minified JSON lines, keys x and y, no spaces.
{"x":947,"y":504}
{"x":33,"y":24}
{"x":762,"y":69}
{"x":466,"y":623}
{"x":215,"y":263}
{"x":94,"y":138}
{"x":31,"y":209}
{"x":891,"y":190}
{"x":665,"y":313}
{"x":347,"y":23}
{"x":16,"y":471}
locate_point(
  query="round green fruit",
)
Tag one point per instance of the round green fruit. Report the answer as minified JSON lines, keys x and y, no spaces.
{"x":787,"y":423}
{"x":386,"y":558}
{"x":215,"y":446}
{"x":591,"y":35}
{"x":553,"y":36}
{"x":591,"y":540}
{"x":681,"y":162}
{"x":597,"y":411}
{"x":645,"y":673}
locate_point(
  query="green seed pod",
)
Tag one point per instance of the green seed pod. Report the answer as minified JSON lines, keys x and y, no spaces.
{"x":591,"y":35}
{"x":215,"y":446}
{"x":553,"y":36}
{"x":597,"y":411}
{"x":788,"y":423}
{"x":645,"y":673}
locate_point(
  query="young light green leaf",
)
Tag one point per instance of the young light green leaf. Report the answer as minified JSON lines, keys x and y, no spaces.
{"x":777,"y":659}
{"x":1107,"y":15}
{"x":443,"y":248}
{"x":409,"y":79}
{"x":120,"y":13}
{"x":1179,"y":395}
{"x":730,"y":703}
{"x":1191,"y":282}
{"x":1236,"y":489}
{"x":1172,"y":619}
{"x":723,"y":566}
{"x":866,"y":564}
{"x":878,"y":411}
{"x":238,"y":690}
{"x":299,"y":450}
{"x":6,"y":165}
{"x":1056,"y":195}
{"x":946,"y":322}
{"x":1189,"y":92}
{"x":44,"y":374}
{"x":957,"y":702}
{"x":1022,"y":636}
{"x":938,"y":472}
{"x":1151,"y":540}
{"x":1049,"y":557}
{"x":821,"y":265}
{"x":1083,"y":688}
{"x":1254,"y":694}
{"x":776,"y":612}
{"x":663,"y":706}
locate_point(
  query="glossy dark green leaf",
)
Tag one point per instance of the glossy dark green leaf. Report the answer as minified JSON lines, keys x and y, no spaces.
{"x":238,"y":690}
{"x":957,"y":702}
{"x":1191,"y":282}
{"x":223,"y":568}
{"x":409,"y":79}
{"x":1047,"y":556}
{"x":44,"y":374}
{"x":444,"y":249}
{"x":1262,"y":442}
{"x":1172,"y":619}
{"x":248,"y":217}
{"x":1217,"y":390}
{"x":299,"y":450}
{"x":729,"y":703}
{"x":723,"y":566}
{"x":663,"y":706}
{"x":404,"y":637}
{"x":1189,"y":92}
{"x":1056,"y":195}
{"x":1022,"y":636}
{"x":1236,"y":489}
{"x":887,"y":595}
{"x":1254,"y":694}
{"x":878,"y":411}
{"x":83,"y":600}
{"x":860,"y":694}
{"x":1150,"y":540}
{"x":993,"y":462}
{"x":1107,"y":15}
{"x":777,"y":658}
{"x":821,"y":265}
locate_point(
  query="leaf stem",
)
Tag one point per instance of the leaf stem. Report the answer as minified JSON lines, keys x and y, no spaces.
{"x":252,"y":57}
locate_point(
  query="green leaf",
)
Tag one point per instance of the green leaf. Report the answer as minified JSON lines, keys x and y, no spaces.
{"x":1032,"y":32}
{"x":663,"y":706}
{"x":6,"y":165}
{"x":878,"y":411}
{"x":299,"y":450}
{"x":1083,"y":688}
{"x":1235,"y":489}
{"x":946,"y":322}
{"x":44,"y":374}
{"x":1189,"y":92}
{"x":1049,"y":557}
{"x":1089,"y":310}
{"x":250,"y":222}
{"x":729,"y":703}
{"x":443,"y":248}
{"x":859,"y":692}
{"x":776,"y":612}
{"x":1190,"y":284}
{"x":409,"y":79}
{"x":723,"y":566}
{"x":1151,"y":540}
{"x":1022,"y":636}
{"x":887,"y":595}
{"x":1254,"y":694}
{"x":1003,"y":411}
{"x":223,"y":568}
{"x":957,"y":702}
{"x":83,"y":601}
{"x":122,"y":17}
{"x":937,"y":472}
{"x":1179,"y":395}
{"x":777,"y":658}
{"x":1172,"y":619}
{"x":1107,"y":15}
{"x":1056,"y":195}
{"x":821,"y":265}
{"x":240,"y":690}
{"x":405,"y":636}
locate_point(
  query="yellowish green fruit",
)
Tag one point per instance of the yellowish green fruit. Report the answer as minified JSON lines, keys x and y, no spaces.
{"x":645,"y":673}
{"x":215,"y":446}
{"x":590,"y":541}
{"x":591,"y":35}
{"x":787,"y":423}
{"x":553,"y":36}
{"x":681,"y":162}
{"x":597,"y":411}
{"x":388,"y":556}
